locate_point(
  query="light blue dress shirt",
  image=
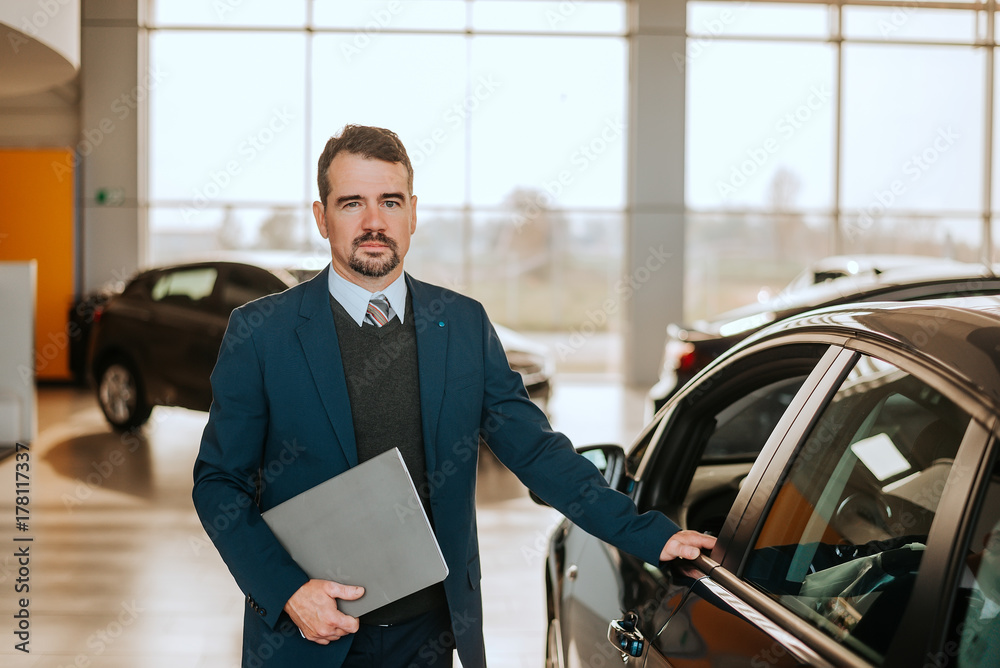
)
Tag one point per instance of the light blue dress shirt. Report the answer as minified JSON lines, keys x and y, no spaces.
{"x":355,"y":298}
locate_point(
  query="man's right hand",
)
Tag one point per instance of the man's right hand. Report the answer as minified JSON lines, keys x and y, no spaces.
{"x":313,"y":608}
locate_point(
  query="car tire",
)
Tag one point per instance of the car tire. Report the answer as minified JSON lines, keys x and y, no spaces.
{"x":119,"y":392}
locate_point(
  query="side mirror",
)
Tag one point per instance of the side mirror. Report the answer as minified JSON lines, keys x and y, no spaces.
{"x":609,"y":460}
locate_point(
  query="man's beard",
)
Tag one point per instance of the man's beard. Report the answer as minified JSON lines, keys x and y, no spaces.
{"x":374,"y":267}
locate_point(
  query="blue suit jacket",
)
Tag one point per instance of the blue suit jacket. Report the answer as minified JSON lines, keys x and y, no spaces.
{"x":281,"y":423}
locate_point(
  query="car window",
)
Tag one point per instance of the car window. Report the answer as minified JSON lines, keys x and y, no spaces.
{"x":244,"y":285}
{"x":976,"y":613}
{"x":742,"y":427}
{"x":843,"y":539}
{"x":185,"y":287}
{"x":709,"y":440}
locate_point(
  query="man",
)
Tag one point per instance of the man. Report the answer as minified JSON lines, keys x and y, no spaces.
{"x":308,"y":384}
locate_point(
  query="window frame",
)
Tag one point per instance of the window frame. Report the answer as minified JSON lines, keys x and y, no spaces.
{"x":665,"y":467}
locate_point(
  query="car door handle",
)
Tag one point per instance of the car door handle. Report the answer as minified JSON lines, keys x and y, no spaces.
{"x":624,"y":634}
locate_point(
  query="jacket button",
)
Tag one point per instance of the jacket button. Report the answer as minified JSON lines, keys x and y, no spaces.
{"x":262,"y":611}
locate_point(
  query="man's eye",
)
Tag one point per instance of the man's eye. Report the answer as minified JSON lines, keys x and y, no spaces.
{"x":391,"y":204}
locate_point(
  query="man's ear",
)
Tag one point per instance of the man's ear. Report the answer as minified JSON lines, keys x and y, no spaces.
{"x":413,"y":208}
{"x":318,"y":211}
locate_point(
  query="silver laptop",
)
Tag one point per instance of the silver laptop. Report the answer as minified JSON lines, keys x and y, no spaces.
{"x":364,"y":527}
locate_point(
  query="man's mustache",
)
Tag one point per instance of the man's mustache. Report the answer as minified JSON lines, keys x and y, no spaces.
{"x":376,"y":238}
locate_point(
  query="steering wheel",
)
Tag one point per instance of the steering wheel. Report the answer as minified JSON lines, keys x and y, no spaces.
{"x":862,"y":512}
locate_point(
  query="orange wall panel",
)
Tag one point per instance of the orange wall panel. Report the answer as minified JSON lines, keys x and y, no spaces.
{"x":36,"y":222}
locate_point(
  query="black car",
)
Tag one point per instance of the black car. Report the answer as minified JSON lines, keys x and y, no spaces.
{"x":156,"y":343}
{"x":689,"y":349}
{"x":849,"y":462}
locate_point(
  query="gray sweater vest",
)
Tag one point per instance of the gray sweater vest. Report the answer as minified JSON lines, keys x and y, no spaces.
{"x":383,"y":384}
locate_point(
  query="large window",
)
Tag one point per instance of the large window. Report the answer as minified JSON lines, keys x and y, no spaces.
{"x":825,"y":128}
{"x":513,"y":114}
{"x":812,"y":128}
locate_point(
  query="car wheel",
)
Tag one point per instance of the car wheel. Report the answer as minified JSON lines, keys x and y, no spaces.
{"x":119,"y":392}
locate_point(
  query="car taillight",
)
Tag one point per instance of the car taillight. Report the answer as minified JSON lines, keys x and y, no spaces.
{"x":687,"y":360}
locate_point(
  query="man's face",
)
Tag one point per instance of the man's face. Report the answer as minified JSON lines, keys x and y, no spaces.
{"x":368,"y":219}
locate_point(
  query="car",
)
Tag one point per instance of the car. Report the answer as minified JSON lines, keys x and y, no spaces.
{"x":83,"y":310}
{"x":688,"y":350}
{"x":298,"y":265}
{"x":848,"y":461}
{"x":839,"y":266}
{"x":156,"y":343}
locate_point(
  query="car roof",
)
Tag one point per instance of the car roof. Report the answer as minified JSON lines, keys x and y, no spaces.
{"x":855,"y":287}
{"x":957,"y":336}
{"x":283,"y":275}
{"x":858,"y":264}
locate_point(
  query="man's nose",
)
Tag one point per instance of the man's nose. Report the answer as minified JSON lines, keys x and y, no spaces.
{"x":373,"y":218}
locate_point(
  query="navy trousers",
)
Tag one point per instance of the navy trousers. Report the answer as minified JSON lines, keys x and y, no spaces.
{"x":426,"y":641}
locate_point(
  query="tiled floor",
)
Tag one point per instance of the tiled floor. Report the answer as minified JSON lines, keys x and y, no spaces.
{"x":121,"y":575}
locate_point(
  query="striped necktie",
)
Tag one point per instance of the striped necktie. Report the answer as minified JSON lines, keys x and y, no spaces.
{"x":378,"y":311}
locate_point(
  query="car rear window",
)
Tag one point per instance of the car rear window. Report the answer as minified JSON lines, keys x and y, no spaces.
{"x":185,"y":286}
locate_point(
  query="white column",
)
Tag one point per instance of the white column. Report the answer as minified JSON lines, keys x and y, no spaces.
{"x":655,"y":223}
{"x":18,"y":400}
{"x":114,"y":87}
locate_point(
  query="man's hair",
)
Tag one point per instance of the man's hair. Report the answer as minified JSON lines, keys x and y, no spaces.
{"x":368,"y":142}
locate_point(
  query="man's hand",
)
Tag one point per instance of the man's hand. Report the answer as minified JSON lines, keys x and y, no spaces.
{"x":313,"y":608}
{"x":686,"y":544}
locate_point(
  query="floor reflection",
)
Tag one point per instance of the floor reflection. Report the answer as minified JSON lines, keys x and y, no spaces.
{"x":113,"y":461}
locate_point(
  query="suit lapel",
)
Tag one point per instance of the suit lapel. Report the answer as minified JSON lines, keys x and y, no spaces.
{"x":318,"y":335}
{"x":432,"y":350}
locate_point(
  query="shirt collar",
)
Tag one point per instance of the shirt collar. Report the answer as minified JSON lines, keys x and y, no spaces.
{"x":355,"y":298}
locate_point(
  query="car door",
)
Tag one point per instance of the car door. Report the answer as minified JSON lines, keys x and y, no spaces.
{"x":973,"y":628}
{"x":833,"y":556}
{"x":182,"y":333}
{"x":715,"y":428}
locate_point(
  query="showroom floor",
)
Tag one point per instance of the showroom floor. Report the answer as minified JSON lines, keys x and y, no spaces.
{"x":120,"y":574}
